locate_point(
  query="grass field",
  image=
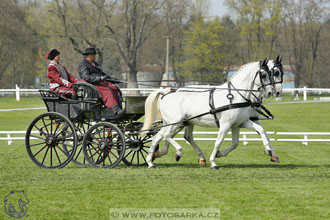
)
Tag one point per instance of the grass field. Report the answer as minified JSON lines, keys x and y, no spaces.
{"x":247,"y":185}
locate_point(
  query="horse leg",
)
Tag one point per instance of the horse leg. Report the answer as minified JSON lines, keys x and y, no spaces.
{"x":177,"y":146}
{"x":189,"y":137}
{"x":268,"y":147}
{"x":269,"y":150}
{"x":165,"y":149}
{"x":235,"y":141}
{"x":155,"y":141}
{"x":224,"y":128}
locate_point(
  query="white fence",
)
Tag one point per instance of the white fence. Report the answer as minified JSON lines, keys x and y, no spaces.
{"x":245,"y":137}
{"x":19,"y":92}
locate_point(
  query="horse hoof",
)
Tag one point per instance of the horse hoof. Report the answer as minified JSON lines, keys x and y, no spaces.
{"x":177,"y":157}
{"x":156,"y":154}
{"x":218,"y":154}
{"x":215,"y":168}
{"x":275,"y":159}
{"x":268,"y":152}
{"x":202,"y":162}
{"x":152,"y":167}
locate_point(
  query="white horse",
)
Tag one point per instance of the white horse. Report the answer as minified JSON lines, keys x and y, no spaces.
{"x":276,"y":69}
{"x":179,"y":109}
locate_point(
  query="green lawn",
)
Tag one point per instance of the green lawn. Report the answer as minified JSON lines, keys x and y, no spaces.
{"x":247,"y":185}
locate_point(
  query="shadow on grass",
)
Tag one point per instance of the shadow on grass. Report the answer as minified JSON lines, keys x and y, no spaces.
{"x":240,"y":166}
{"x":225,"y":166}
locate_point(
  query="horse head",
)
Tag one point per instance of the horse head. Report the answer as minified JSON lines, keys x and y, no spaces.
{"x":277,"y":72}
{"x":263,"y":80}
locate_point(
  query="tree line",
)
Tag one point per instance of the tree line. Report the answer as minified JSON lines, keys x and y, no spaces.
{"x":130,"y":34}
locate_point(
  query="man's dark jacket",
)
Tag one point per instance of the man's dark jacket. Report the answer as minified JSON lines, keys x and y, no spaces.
{"x":90,"y":73}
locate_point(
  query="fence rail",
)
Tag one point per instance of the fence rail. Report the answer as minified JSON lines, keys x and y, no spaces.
{"x":18,"y":91}
{"x":245,"y":137}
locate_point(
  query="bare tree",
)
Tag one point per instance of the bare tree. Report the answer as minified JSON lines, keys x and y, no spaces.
{"x":140,"y":19}
{"x":304,"y":22}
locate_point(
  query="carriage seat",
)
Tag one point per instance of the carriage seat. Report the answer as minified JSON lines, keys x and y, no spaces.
{"x":86,"y":91}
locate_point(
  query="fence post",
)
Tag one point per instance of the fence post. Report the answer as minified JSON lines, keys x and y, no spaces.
{"x":245,"y":142}
{"x":305,"y":142}
{"x":17,"y":93}
{"x":305,"y":93}
{"x":9,"y":141}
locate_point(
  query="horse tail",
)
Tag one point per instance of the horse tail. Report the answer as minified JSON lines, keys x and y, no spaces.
{"x":152,"y":110}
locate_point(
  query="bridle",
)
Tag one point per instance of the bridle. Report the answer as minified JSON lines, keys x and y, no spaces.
{"x":276,"y":71}
{"x":262,"y":76}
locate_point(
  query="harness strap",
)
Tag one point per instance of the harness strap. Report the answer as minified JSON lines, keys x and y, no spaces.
{"x":211,"y":104}
{"x":229,"y":95}
{"x":267,"y":114}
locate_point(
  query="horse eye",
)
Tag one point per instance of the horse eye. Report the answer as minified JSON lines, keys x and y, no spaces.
{"x":263,"y":75}
{"x":276,"y":73}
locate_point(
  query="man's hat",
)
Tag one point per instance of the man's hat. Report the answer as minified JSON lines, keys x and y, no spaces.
{"x":52,"y":53}
{"x":89,"y":50}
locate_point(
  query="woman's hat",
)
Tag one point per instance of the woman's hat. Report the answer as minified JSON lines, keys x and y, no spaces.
{"x":90,"y":50}
{"x":52,"y":53}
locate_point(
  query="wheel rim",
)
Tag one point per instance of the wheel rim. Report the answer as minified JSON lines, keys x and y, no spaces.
{"x":104,"y":145}
{"x":51,"y":140}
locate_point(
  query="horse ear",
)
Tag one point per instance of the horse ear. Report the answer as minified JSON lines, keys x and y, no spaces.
{"x":280,"y":59}
{"x":277,"y":58}
{"x":267,"y":60}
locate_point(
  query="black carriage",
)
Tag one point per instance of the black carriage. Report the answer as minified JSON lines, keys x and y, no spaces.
{"x":85,"y":132}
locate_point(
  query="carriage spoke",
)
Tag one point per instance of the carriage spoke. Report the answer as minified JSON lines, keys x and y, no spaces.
{"x":113,"y":154}
{"x":128,"y":153}
{"x":95,"y":149}
{"x":98,"y":132}
{"x":143,"y":157}
{"x":58,"y":158}
{"x":78,"y":154}
{"x":98,"y":159}
{"x":51,"y":156}
{"x":90,"y":152}
{"x":51,"y":127}
{"x":43,"y":121}
{"x":133,"y":157}
{"x":40,"y":130}
{"x":32,"y":145}
{"x":65,"y":153}
{"x":109,"y":158}
{"x":40,"y":151}
{"x":43,"y":160}
{"x":57,"y":125}
{"x":145,"y":150}
{"x":62,"y":129}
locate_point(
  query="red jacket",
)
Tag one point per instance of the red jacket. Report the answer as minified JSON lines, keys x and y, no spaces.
{"x":59,"y":76}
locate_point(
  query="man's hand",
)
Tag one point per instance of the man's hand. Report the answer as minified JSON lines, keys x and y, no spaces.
{"x":103,"y":78}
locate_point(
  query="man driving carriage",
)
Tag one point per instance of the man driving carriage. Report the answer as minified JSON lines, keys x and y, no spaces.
{"x":60,"y":80}
{"x":91,"y":72}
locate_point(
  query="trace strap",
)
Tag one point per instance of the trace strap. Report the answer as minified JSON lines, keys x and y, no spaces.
{"x":267,"y":114}
{"x":211,"y":104}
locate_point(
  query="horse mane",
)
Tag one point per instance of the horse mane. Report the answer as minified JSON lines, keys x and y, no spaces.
{"x":242,"y":68}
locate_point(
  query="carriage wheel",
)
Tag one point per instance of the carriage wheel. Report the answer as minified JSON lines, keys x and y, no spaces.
{"x":79,"y":157}
{"x":137,"y":147}
{"x":51,"y":140}
{"x":104,"y":145}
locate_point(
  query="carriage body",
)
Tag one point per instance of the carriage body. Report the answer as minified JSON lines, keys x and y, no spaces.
{"x":89,"y":105}
{"x":85,"y":132}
